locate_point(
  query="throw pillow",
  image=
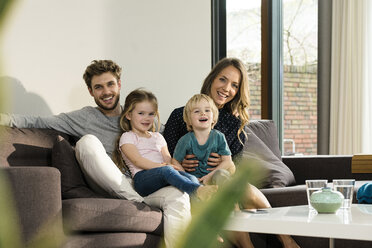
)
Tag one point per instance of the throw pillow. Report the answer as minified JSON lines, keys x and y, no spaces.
{"x":73,"y":184}
{"x":277,"y":173}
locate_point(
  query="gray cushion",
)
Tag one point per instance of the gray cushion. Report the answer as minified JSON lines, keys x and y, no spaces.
{"x":276,"y":173}
{"x":266,"y":131}
{"x":73,"y":184}
{"x":111,"y":215}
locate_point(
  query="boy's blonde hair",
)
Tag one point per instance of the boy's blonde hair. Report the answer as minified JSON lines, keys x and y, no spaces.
{"x":190,"y":105}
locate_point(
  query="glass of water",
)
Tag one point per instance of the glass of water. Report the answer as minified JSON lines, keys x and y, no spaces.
{"x":346,"y":187}
{"x":314,"y":185}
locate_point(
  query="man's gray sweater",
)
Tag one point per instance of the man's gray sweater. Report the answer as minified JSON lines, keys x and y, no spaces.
{"x":88,"y":120}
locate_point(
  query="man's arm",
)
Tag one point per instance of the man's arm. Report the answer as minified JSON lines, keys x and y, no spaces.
{"x":5,"y":120}
{"x":73,"y":123}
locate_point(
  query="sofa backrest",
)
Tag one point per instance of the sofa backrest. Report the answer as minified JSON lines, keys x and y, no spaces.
{"x":32,"y":146}
{"x":27,"y":146}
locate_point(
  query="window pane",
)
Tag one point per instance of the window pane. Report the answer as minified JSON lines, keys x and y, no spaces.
{"x":300,"y":45}
{"x":243,"y":19}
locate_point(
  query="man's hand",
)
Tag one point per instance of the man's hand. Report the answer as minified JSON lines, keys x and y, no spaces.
{"x":5,"y":120}
{"x":189,"y":164}
{"x":214,"y":160}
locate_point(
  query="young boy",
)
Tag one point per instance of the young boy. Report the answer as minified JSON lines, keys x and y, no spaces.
{"x":200,"y":115}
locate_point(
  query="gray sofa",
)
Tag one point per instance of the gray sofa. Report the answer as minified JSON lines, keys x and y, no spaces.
{"x":47,"y":182}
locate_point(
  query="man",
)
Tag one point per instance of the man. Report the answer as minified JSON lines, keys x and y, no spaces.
{"x":98,"y":128}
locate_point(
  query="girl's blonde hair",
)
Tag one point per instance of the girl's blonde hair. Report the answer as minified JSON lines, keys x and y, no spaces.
{"x":239,"y":105}
{"x":190,"y":105}
{"x":133,"y":98}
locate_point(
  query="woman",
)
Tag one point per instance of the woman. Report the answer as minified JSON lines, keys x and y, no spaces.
{"x":227,"y":84}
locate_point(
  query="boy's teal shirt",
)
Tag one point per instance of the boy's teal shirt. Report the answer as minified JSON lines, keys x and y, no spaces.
{"x":188,"y":144}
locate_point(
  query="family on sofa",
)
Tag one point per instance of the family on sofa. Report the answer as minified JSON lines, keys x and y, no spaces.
{"x":99,"y":128}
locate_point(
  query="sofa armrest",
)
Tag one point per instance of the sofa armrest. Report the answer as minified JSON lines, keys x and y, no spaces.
{"x":323,"y":167}
{"x":286,"y":196}
{"x":37,"y":195}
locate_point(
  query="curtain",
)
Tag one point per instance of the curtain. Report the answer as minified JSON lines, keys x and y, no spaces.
{"x":367,"y":91}
{"x":349,"y":71}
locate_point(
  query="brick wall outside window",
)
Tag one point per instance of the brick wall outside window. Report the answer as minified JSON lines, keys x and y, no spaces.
{"x":300,"y":105}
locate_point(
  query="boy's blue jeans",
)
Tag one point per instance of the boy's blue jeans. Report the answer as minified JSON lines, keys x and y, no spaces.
{"x":149,"y":181}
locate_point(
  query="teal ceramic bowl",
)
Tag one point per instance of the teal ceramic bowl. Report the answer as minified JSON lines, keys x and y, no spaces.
{"x":326,"y":200}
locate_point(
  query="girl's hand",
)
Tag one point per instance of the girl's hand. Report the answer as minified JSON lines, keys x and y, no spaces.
{"x":214,"y":160}
{"x":189,"y":164}
{"x":177,"y":167}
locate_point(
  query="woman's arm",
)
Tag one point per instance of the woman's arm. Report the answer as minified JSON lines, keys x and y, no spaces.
{"x":226,"y":163}
{"x":131,"y":152}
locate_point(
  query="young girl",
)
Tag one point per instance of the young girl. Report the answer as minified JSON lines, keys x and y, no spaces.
{"x":145,"y":152}
{"x":200,"y":115}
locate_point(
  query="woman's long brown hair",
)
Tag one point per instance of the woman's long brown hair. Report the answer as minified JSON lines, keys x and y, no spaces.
{"x":239,"y":105}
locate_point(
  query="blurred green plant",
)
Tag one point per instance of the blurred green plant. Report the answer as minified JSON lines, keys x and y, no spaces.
{"x":51,"y":235}
{"x":209,"y":218}
{"x":5,"y":6}
{"x":9,"y":222}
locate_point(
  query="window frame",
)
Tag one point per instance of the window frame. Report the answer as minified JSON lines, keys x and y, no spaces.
{"x":271,"y":57}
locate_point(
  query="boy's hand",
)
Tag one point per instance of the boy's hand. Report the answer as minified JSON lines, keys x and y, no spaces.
{"x":214,"y":160}
{"x":189,"y":164}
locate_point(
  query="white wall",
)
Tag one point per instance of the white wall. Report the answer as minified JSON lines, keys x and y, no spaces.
{"x":162,"y":45}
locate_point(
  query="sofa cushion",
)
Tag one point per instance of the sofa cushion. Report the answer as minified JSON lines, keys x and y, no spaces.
{"x":126,"y":239}
{"x":73,"y":184}
{"x":276,"y":173}
{"x":266,"y":131}
{"x":111,"y":215}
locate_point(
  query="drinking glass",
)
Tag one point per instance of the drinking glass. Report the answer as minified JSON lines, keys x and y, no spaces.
{"x":346,"y":187}
{"x":314,"y":185}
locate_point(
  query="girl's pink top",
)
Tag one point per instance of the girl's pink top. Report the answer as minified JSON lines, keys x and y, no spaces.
{"x":149,"y":148}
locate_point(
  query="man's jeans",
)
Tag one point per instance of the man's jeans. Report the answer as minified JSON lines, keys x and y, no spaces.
{"x":148,"y":181}
{"x":102,"y":173}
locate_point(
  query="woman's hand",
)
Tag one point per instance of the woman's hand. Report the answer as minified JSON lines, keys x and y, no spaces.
{"x":214,"y":160}
{"x":189,"y":164}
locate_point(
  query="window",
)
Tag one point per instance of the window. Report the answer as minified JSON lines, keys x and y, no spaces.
{"x":300,"y":39}
{"x":298,"y":92}
{"x":243,"y":27}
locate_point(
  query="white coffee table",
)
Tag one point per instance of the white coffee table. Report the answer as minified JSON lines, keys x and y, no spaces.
{"x":355,"y":223}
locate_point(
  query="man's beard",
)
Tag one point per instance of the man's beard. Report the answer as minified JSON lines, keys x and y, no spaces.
{"x":108,"y":108}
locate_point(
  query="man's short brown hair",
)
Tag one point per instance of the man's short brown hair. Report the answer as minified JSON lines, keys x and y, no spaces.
{"x":98,"y":67}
